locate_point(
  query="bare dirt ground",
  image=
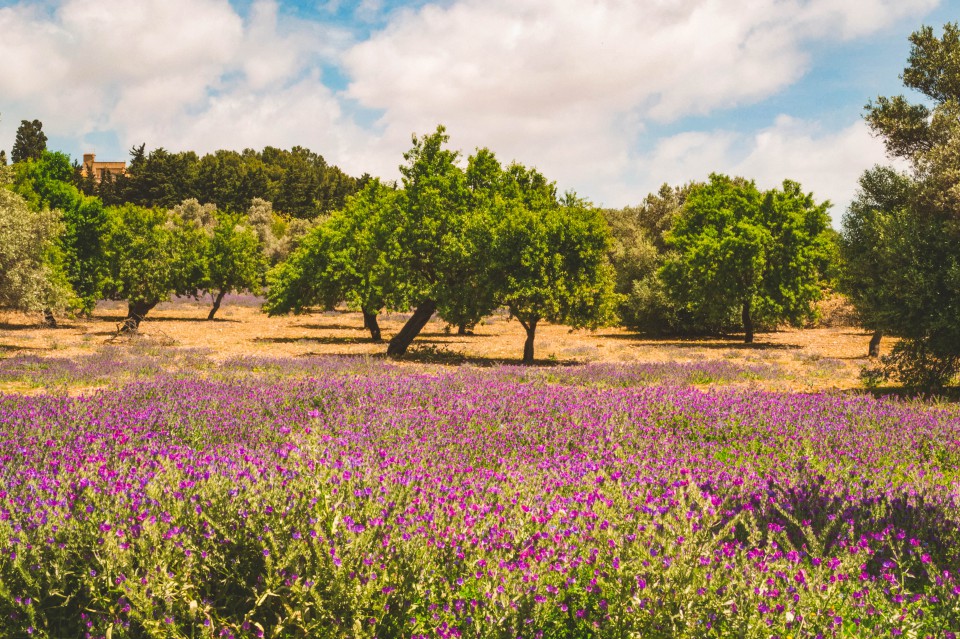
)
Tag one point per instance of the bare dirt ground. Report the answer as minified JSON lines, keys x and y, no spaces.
{"x":802,"y":360}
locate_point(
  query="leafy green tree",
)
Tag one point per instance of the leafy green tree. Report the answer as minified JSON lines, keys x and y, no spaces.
{"x":637,"y":251}
{"x":432,"y":209}
{"x":346,"y":258}
{"x":31,"y":274}
{"x":47,"y":183}
{"x":900,"y":236}
{"x":737,"y":249}
{"x":868,"y":252}
{"x":235,"y":258}
{"x":30,"y":142}
{"x":550,"y":263}
{"x":160,"y":178}
{"x":153,"y":253}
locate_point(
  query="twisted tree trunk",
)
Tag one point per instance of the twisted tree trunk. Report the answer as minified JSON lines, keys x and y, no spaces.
{"x":216,"y":304}
{"x":531,"y":328}
{"x":49,"y":319}
{"x":136,"y":311}
{"x":370,"y":323}
{"x":400,"y":342}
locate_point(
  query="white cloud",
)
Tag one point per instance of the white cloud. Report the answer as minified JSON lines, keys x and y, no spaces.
{"x":827,"y":163}
{"x":158,"y":71}
{"x":570,"y":85}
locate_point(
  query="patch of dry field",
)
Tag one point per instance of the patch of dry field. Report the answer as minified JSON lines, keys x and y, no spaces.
{"x":809,"y":359}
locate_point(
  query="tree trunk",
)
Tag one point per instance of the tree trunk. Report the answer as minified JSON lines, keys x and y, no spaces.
{"x":370,"y":323}
{"x":216,"y":303}
{"x":875,"y":344}
{"x":400,"y":342}
{"x":531,"y":329}
{"x":747,"y":323}
{"x":461,"y":329}
{"x":49,"y":319}
{"x":136,"y":311}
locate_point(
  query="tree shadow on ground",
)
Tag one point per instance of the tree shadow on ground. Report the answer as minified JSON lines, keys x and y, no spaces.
{"x":156,"y":320}
{"x":332,"y":327}
{"x":332,"y":339}
{"x":450,"y":358}
{"x":714,"y":343}
{"x":13,"y":348}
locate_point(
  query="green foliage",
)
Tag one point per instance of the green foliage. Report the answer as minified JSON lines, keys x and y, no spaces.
{"x":46,"y":183}
{"x":551,"y":265}
{"x":637,"y":252}
{"x":344,"y":259}
{"x":154,"y":253}
{"x":31,"y":268}
{"x":235,"y":259}
{"x":30,"y":142}
{"x":737,"y":249}
{"x":298,"y":182}
{"x":900,"y":235}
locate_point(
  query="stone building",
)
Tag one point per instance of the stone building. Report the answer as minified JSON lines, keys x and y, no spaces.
{"x":99,"y":169}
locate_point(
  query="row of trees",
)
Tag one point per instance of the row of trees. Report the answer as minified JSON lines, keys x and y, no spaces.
{"x":66,"y":250}
{"x":455,"y":241}
{"x":297,"y":182}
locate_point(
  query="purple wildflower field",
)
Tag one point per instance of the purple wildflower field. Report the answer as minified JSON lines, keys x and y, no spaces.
{"x":357,"y":498}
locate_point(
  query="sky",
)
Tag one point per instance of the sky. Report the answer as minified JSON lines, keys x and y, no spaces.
{"x":609,"y":98}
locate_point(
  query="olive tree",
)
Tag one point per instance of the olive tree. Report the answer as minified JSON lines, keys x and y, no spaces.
{"x":153,"y":254}
{"x":31,"y":269}
{"x":346,"y":258}
{"x":900,"y":236}
{"x":550,"y":264}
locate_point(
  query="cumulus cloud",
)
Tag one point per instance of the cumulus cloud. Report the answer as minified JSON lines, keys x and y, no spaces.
{"x":185,"y":74}
{"x":571,"y":86}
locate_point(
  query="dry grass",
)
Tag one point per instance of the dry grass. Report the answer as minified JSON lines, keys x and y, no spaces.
{"x":809,"y":359}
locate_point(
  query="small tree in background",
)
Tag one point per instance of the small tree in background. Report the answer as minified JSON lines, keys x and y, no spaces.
{"x":638,"y":250}
{"x":153,"y":253}
{"x":235,"y":259}
{"x":30,"y":142}
{"x":46,"y":183}
{"x":737,"y":249}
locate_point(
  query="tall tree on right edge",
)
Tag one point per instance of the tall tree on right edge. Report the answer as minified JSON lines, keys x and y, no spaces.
{"x":909,"y":224}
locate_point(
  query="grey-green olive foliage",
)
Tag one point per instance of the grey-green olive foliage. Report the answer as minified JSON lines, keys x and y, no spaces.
{"x":762,"y":255}
{"x":638,"y":250}
{"x":31,"y":269}
{"x":901,"y":236}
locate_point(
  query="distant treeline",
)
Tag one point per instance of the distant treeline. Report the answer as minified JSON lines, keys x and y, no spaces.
{"x":298,"y":181}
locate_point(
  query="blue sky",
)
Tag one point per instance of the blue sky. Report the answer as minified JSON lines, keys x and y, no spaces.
{"x":610,"y":98}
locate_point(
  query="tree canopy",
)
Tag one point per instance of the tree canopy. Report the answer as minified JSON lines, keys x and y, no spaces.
{"x":762,"y":254}
{"x":900,"y":235}
{"x":31,"y":275}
